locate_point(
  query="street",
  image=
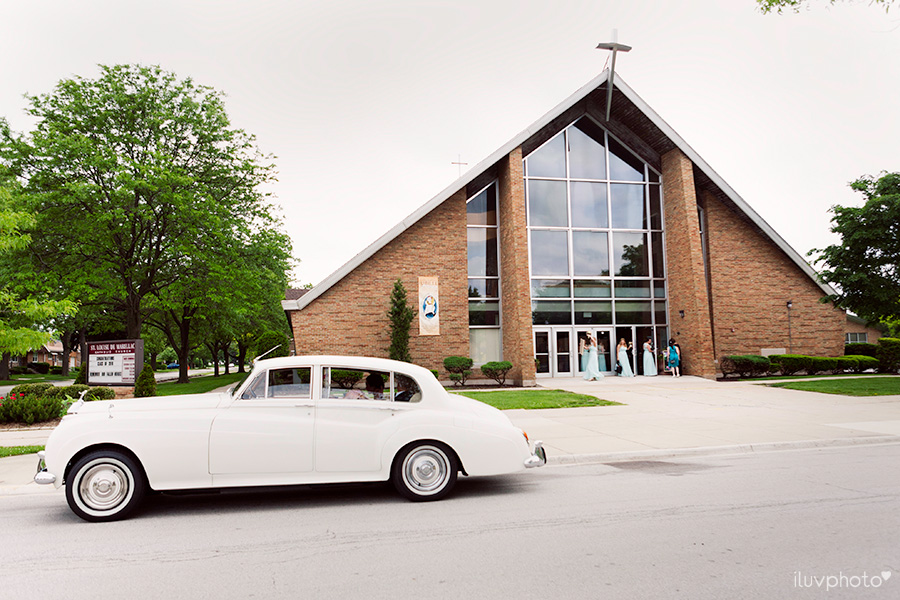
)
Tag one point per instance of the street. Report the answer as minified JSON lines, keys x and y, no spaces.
{"x":719,"y":527}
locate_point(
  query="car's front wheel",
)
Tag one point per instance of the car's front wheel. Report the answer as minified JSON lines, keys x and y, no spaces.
{"x":105,"y":486}
{"x":425,"y":471}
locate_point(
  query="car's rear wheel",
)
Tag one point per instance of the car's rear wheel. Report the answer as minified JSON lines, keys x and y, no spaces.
{"x":105,"y":485}
{"x":425,"y":471}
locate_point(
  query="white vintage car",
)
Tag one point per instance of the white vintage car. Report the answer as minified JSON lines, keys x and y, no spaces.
{"x":295,"y":420}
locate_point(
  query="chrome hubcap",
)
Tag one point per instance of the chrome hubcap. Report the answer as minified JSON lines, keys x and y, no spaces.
{"x":426,"y":470}
{"x":103,"y":486}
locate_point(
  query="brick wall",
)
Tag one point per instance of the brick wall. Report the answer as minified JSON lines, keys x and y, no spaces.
{"x":518,"y":345}
{"x":351,"y":317}
{"x":752,"y":282}
{"x":684,"y":267}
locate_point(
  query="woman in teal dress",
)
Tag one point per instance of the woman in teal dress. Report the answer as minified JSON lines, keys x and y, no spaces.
{"x":592,"y":365}
{"x":622,"y":357}
{"x":649,"y":360}
{"x":674,"y":358}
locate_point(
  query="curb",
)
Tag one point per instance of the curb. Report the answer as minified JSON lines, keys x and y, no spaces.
{"x":605,"y":457}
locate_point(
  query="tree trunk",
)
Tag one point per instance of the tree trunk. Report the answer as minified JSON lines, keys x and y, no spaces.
{"x":242,"y":356}
{"x":214,"y":350}
{"x":4,"y":366}
{"x":133,"y":317}
{"x":66,"y":339}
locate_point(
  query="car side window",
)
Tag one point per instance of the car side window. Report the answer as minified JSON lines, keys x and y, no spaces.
{"x":355,"y":384}
{"x":406,"y":389}
{"x":289,"y":383}
{"x":256,"y":389}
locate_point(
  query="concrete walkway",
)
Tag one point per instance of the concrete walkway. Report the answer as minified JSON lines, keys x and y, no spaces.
{"x":662,"y":417}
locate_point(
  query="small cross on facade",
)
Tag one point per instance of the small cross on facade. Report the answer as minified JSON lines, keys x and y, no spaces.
{"x":459,"y":164}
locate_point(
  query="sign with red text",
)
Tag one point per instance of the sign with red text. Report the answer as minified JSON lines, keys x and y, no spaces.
{"x":118,"y":362}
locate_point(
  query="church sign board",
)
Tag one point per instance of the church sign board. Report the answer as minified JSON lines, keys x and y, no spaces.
{"x":116,"y":362}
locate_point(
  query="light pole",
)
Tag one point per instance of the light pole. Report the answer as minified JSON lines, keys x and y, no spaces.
{"x":790,"y":305}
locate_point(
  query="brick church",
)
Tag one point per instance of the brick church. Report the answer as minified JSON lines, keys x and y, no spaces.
{"x":579,"y":225}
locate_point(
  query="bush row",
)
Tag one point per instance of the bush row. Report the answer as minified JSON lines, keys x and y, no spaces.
{"x":460,"y":369}
{"x":30,"y":403}
{"x":789,"y":364}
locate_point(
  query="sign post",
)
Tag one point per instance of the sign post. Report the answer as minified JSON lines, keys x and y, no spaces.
{"x":117,"y":362}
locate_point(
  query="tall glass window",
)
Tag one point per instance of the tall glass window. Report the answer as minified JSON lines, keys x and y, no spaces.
{"x":484,"y":276}
{"x":595,"y":231}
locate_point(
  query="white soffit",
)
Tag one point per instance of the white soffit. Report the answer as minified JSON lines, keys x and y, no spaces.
{"x":517,"y":141}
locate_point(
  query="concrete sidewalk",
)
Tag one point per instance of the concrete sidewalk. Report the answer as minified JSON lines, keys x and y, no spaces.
{"x":662,"y":416}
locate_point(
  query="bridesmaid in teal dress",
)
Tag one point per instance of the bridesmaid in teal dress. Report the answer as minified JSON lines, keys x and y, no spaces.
{"x":622,"y":357}
{"x":649,"y":361}
{"x":592,"y":366}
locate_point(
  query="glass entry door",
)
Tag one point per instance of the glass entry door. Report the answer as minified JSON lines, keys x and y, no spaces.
{"x":555,"y":352}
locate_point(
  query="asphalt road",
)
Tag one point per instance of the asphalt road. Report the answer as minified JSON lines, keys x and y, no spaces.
{"x":716,"y":527}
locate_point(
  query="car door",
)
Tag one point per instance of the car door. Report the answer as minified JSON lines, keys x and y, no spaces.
{"x":354,"y":418}
{"x":269,"y":430}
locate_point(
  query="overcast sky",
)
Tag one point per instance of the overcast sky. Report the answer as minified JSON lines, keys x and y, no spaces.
{"x":366,"y":104}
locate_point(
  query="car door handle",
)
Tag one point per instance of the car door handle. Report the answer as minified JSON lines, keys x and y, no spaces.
{"x":302,"y":405}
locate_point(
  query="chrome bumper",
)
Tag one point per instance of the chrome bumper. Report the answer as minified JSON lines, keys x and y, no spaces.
{"x":42,"y":476}
{"x":538,"y":456}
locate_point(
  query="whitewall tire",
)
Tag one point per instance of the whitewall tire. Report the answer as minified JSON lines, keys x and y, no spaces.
{"x":105,"y":485}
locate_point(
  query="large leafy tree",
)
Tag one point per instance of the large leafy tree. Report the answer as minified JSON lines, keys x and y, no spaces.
{"x":133,"y":178}
{"x":865,"y":265}
{"x":779,"y":6}
{"x":23,"y":316}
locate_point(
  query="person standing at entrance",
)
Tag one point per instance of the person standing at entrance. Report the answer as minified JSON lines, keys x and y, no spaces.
{"x":592,"y":365}
{"x":622,"y":356}
{"x":674,"y":358}
{"x":649,"y":360}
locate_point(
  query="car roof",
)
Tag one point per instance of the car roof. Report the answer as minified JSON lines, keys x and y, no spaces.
{"x":360,"y":362}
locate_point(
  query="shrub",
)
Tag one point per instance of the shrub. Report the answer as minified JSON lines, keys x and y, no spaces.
{"x":29,"y":409}
{"x":847,"y":364}
{"x":888,"y":355}
{"x":789,"y":364}
{"x":26,"y":389}
{"x":497,"y":370}
{"x":744,"y":365}
{"x":81,"y":377}
{"x":145,"y":386}
{"x":100,"y":393}
{"x":458,"y":365}
{"x":864,"y":363}
{"x":56,"y":370}
{"x":821,"y":364}
{"x":39,"y":367}
{"x":434,"y":372}
{"x":860,"y":349}
{"x":400,"y":316}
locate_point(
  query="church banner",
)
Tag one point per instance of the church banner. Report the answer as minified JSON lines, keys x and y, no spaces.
{"x":429,"y":317}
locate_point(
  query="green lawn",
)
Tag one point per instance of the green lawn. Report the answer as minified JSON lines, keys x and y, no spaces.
{"x":777,"y":377}
{"x":17,"y":450}
{"x":32,"y":378}
{"x":534,"y":399}
{"x":199,"y":385}
{"x":865,"y":386}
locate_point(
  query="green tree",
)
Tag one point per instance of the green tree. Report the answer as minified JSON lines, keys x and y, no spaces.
{"x":127,"y":174}
{"x":779,"y":6}
{"x":865,"y":265}
{"x":23,"y":316}
{"x":401,"y":316}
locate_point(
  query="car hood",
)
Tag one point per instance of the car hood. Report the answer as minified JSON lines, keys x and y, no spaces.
{"x":185,"y":402}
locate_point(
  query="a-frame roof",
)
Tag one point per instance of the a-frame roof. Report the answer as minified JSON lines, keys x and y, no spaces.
{"x":657,"y":135}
